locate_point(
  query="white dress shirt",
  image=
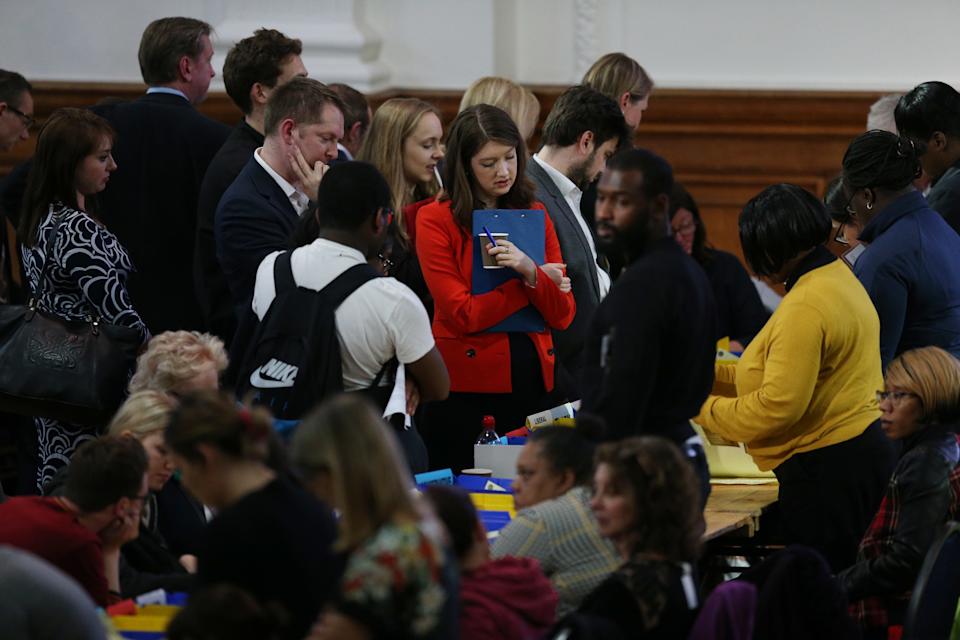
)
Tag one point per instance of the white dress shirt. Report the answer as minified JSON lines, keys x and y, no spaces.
{"x":572,"y":194}
{"x":298,"y":199}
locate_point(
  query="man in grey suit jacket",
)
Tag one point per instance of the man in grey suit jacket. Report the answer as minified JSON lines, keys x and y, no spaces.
{"x":583,"y":130}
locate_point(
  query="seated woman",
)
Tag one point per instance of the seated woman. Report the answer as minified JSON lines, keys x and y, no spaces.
{"x":554,"y":524}
{"x":519,"y":102}
{"x":802,"y":396}
{"x":396,"y":583}
{"x":73,"y":264}
{"x":507,"y":598}
{"x":147,"y":562}
{"x":740,"y":313}
{"x":507,"y":374}
{"x":177,"y":363}
{"x":921,"y":408}
{"x":646,"y":497}
{"x":911,"y":264}
{"x":270,"y":536}
{"x":404,"y":144}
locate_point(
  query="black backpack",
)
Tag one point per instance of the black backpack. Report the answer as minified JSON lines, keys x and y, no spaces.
{"x":293,"y":359}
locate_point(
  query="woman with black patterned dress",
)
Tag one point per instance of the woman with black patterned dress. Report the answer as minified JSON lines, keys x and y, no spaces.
{"x":88,"y":268}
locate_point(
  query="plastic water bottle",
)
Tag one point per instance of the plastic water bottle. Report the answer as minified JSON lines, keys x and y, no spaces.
{"x":489,"y":433}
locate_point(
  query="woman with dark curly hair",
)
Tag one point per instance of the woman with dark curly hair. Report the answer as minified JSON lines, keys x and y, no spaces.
{"x":647,"y":501}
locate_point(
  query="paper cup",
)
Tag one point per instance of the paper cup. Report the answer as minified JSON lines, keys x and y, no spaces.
{"x":489,"y":262}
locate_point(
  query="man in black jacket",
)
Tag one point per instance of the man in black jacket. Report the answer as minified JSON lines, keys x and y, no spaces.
{"x":650,"y":351}
{"x":162,"y":149}
{"x":254,"y":67}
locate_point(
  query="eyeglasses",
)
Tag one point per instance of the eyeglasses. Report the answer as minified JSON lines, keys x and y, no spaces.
{"x":28,"y":121}
{"x":894,"y":396}
{"x":386,"y":263}
{"x":840,"y":236}
{"x":687,"y":227}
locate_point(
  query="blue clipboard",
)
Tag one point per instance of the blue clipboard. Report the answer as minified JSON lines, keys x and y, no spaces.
{"x":527,"y":230}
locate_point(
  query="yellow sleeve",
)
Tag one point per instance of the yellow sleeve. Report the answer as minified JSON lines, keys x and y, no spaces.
{"x":725,"y":379}
{"x":790,"y":374}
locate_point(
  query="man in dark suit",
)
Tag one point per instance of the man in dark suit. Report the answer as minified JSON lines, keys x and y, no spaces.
{"x":583,"y":129}
{"x":254,"y":67}
{"x":162,"y":149}
{"x":261,"y":209}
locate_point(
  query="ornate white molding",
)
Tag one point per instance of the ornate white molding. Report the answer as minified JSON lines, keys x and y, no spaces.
{"x":337,"y":45}
{"x":585,"y":50}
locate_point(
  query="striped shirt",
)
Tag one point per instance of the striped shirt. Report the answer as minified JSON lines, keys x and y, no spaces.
{"x":562,"y":535}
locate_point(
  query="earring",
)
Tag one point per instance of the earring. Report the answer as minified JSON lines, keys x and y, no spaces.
{"x":869,"y":206}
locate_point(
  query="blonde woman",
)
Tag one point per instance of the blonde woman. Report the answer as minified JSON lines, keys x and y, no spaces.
{"x":393,"y":584}
{"x":404,"y":144}
{"x":179,"y":362}
{"x":621,"y":78}
{"x":519,"y":102}
{"x":920,"y":406}
{"x":147,"y":562}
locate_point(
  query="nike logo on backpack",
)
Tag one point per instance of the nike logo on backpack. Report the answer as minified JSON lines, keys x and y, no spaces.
{"x":274,"y":375}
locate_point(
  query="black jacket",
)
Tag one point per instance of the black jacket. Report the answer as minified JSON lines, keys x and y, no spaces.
{"x":254,"y":219}
{"x":918,"y":500}
{"x":650,"y":351}
{"x":162,"y":150}
{"x":212,"y":291}
{"x":740,"y":312}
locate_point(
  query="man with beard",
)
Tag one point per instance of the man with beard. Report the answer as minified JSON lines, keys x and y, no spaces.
{"x":583,"y":130}
{"x":650,"y":350}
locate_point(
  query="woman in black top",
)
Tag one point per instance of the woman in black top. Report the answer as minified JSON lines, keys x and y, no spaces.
{"x":270,"y":536}
{"x":740,"y":313}
{"x":647,"y":502}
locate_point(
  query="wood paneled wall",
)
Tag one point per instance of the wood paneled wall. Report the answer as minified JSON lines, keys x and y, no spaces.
{"x":725,"y":146}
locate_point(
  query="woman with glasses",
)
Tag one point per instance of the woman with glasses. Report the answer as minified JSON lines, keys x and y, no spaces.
{"x":506,"y":374}
{"x":740,"y":312}
{"x":270,"y":536}
{"x":911,"y":262}
{"x":921,"y":408}
{"x":802,"y":395}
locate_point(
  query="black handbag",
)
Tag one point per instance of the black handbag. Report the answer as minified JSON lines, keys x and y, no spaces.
{"x":68,"y":370}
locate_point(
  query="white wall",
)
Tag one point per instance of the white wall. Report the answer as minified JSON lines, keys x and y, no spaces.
{"x":799,"y":44}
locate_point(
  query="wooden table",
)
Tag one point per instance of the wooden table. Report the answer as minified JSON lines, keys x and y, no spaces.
{"x":737,"y":508}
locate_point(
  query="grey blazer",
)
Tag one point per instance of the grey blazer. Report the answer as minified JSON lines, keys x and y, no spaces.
{"x":581,"y":268}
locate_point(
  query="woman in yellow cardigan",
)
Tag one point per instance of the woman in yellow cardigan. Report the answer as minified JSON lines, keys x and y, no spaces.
{"x":803,"y":395}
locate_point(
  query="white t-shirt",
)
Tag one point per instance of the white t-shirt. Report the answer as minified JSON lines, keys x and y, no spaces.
{"x":382,"y":318}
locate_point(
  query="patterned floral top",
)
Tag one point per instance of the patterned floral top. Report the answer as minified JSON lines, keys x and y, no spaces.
{"x":393,"y":584}
{"x":88,"y":277}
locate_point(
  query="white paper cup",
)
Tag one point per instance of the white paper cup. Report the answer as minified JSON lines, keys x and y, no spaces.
{"x":490,"y":262}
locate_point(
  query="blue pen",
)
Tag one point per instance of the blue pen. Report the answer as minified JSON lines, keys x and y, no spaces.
{"x":489,"y":235}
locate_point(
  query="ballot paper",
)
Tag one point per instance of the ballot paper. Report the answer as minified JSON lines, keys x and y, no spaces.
{"x":398,"y":398}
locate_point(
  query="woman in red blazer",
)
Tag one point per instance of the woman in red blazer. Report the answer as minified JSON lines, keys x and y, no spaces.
{"x":506,"y":375}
